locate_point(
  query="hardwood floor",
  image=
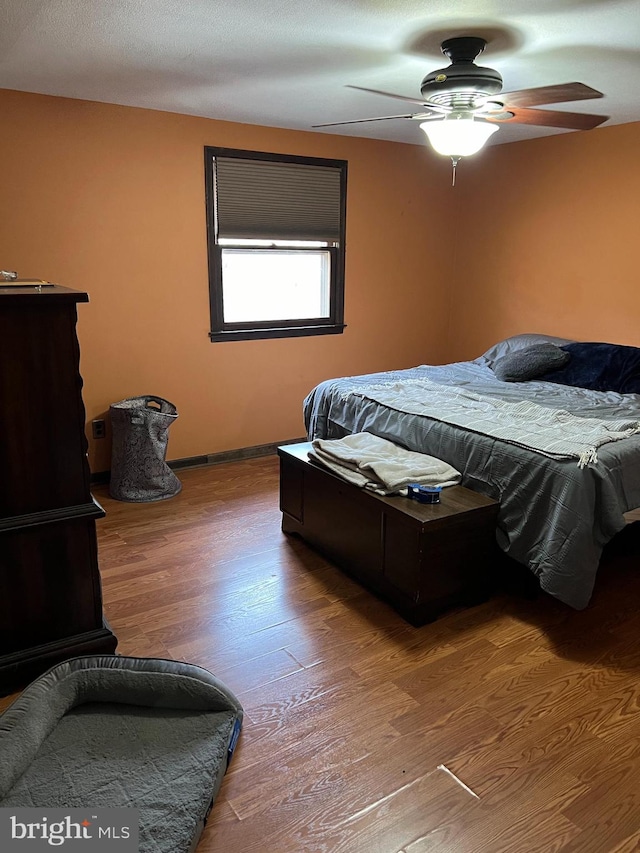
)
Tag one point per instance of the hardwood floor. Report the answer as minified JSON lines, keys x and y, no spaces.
{"x":510,"y":726}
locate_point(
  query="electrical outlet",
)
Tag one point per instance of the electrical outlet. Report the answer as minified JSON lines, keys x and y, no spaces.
{"x":98,"y":428}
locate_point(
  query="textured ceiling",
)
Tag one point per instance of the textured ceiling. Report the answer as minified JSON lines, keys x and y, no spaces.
{"x":285,"y":63}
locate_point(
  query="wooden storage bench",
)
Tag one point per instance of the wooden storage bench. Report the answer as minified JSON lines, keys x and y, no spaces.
{"x":420,"y":558}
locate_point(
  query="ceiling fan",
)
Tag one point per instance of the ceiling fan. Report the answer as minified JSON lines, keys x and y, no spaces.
{"x":462,"y":105}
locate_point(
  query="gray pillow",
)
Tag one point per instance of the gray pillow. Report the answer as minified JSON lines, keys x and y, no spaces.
{"x":518,"y":342}
{"x":524,"y":364}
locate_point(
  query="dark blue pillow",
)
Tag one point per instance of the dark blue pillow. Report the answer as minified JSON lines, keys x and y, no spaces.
{"x":600,"y":367}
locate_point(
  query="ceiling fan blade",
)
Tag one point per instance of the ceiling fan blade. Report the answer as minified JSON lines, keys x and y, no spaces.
{"x":560,"y":94}
{"x":361,"y":120}
{"x":550,"y":118}
{"x":388,"y":95}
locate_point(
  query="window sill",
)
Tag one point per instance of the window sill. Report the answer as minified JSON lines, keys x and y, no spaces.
{"x":282,"y":332}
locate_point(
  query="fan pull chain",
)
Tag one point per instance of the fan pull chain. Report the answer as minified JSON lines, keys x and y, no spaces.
{"x":454,"y":161}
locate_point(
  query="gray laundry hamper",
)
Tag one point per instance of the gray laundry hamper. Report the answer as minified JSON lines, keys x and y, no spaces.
{"x":140,"y":428}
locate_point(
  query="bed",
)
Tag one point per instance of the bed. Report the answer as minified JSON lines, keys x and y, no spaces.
{"x":557,"y":509}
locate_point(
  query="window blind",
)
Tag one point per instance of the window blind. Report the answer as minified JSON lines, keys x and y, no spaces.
{"x":266,"y":199}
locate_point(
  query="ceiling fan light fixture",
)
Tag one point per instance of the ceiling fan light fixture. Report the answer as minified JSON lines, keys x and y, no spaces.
{"x":458,"y":135}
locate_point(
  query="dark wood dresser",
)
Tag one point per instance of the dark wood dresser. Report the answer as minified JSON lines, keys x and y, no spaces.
{"x":50,"y":593}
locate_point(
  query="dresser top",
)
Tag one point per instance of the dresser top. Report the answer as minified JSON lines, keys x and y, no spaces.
{"x":31,"y":294}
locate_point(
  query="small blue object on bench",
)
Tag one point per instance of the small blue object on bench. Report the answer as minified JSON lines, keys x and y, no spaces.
{"x":424,"y":494}
{"x":118,"y":732}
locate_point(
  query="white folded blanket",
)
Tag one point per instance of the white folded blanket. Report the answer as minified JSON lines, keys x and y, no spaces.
{"x":379,"y":465}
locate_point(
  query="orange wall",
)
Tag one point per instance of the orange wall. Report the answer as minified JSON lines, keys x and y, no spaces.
{"x":110,"y":200}
{"x":549,"y":235}
{"x":536,"y":236}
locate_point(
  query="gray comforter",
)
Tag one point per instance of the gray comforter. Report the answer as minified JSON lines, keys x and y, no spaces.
{"x":554,"y":517}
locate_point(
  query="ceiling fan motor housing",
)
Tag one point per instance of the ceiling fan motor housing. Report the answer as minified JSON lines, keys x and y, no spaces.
{"x":463,"y":75}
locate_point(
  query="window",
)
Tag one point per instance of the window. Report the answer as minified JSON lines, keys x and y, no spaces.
{"x":275,"y":228}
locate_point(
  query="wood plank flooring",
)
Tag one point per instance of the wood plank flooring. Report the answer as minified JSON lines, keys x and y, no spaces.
{"x":510,"y":726}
